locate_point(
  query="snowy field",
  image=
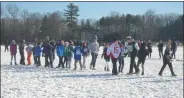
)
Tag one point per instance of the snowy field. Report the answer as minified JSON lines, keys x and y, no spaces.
{"x":32,"y":82}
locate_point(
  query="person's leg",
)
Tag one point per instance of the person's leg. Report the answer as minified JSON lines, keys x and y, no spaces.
{"x":69,"y":62}
{"x":15,"y":59}
{"x":51,"y":60}
{"x":80,"y":64}
{"x":66,"y":62}
{"x":95,"y":58}
{"x":75,"y":65}
{"x":11,"y":59}
{"x":143,"y":66}
{"x":162,"y":54}
{"x":59,"y":65}
{"x":174,"y":54}
{"x":162,"y":69}
{"x":135,"y":67}
{"x":138,"y":63}
{"x":114,"y":70}
{"x":171,"y":69}
{"x":84,"y":61}
{"x":39,"y":61}
{"x":159,"y":53}
{"x":92,"y":60}
{"x":131,"y":66}
{"x":62,"y":63}
{"x":120,"y":64}
{"x":46,"y":61}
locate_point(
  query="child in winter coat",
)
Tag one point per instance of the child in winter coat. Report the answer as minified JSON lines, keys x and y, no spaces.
{"x":142,"y":53}
{"x":121,"y":57}
{"x":70,"y":53}
{"x":37,"y":53}
{"x":66,"y":51}
{"x":29,"y":53}
{"x":13,"y":51}
{"x":106,"y":57}
{"x":60,"y":53}
{"x":85,"y":53}
{"x":77,"y":56}
{"x":149,"y":48}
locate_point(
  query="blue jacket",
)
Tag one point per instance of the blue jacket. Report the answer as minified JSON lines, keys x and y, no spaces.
{"x":77,"y":53}
{"x":37,"y":51}
{"x":85,"y":51}
{"x":60,"y":50}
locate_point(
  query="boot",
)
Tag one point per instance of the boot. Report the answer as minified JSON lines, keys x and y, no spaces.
{"x":160,"y":74}
{"x":16,"y":63}
{"x":174,"y":75}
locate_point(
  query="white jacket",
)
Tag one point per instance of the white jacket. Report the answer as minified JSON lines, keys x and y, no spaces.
{"x":114,"y":51}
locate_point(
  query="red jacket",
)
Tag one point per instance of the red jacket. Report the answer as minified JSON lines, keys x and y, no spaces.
{"x":13,"y":49}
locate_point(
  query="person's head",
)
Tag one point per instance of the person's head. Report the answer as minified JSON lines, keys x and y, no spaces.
{"x":38,"y":43}
{"x":13,"y":42}
{"x":62,"y":42}
{"x":149,"y":41}
{"x":168,"y":46}
{"x":66,"y":44}
{"x":95,"y":38}
{"x":160,"y":41}
{"x":85,"y":43}
{"x":129,"y":39}
{"x":47,"y":38}
{"x":169,"y":41}
{"x":107,"y":45}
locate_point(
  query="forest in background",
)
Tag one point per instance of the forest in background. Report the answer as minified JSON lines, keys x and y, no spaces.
{"x":17,"y":24}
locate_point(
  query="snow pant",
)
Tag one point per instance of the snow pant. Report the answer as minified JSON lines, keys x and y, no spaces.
{"x":47,"y":62}
{"x":61,"y":62}
{"x":84,"y":61}
{"x":121,"y":64}
{"x":22,"y":59}
{"x":149,"y":51}
{"x":164,"y":65}
{"x":161,"y":53}
{"x":141,"y":60}
{"x":93,"y":61}
{"x":133,"y":65}
{"x":66,"y":61}
{"x":69,"y":62}
{"x":13,"y":56}
{"x":29,"y":58}
{"x":38,"y":63}
{"x":173,"y":53}
{"x":34,"y":58}
{"x":6,"y":48}
{"x":114,"y":69}
{"x":75,"y":64}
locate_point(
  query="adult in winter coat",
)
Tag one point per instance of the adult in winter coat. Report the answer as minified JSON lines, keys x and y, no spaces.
{"x":85,"y":53}
{"x":70,"y":53}
{"x":94,"y":49}
{"x":34,"y":57}
{"x":142,"y":53}
{"x":77,"y":56}
{"x":106,"y":57}
{"x":149,"y":48}
{"x":167,"y":60}
{"x":114,"y":51}
{"x":60,"y":53}
{"x":53,"y":43}
{"x":132,"y":48}
{"x":173,"y":49}
{"x":37,"y":53}
{"x":29,"y":50}
{"x":121,"y":57}
{"x":160,"y":48}
{"x":21,"y":51}
{"x":13,"y":51}
{"x":48,"y":51}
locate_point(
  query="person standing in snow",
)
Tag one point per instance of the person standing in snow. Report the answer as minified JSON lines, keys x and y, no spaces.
{"x":85,"y":53}
{"x":21,"y":51}
{"x":142,"y":53}
{"x":149,"y":48}
{"x":132,"y":48}
{"x":160,"y":48}
{"x":60,"y":53}
{"x":66,"y":51}
{"x":77,"y":56}
{"x":173,"y":49}
{"x":121,"y":57}
{"x":34,"y":57}
{"x":106,"y":57}
{"x":13,"y":51}
{"x":167,"y":60}
{"x":94,"y":49}
{"x":70,"y":53}
{"x":53,"y":43}
{"x":114,"y":51}
{"x":6,"y":46}
{"x":37,"y":53}
{"x":29,"y":50}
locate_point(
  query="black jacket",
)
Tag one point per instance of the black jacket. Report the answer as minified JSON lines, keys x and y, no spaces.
{"x":167,"y":57}
{"x":143,"y":52}
{"x":173,"y":46}
{"x":21,"y":49}
{"x":134,"y":51}
{"x":160,"y":46}
{"x":47,"y":48}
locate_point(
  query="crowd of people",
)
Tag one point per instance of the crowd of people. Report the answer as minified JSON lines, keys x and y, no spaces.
{"x":115,"y":52}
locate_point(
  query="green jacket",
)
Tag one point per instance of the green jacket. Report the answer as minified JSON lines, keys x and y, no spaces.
{"x":70,"y":52}
{"x":66,"y":51}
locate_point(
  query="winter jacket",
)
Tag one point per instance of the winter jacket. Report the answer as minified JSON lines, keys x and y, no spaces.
{"x":132,"y":48}
{"x":167,"y":57}
{"x":123,"y":52}
{"x":29,"y":49}
{"x":66,"y":51}
{"x":114,"y":51}
{"x":70,"y":51}
{"x":13,"y":49}
{"x":21,"y":49}
{"x":60,"y":50}
{"x":48,"y":49}
{"x":94,"y":47}
{"x":173,"y":46}
{"x":160,"y":46}
{"x":53,"y":43}
{"x":143,"y":52}
{"x":85,"y":51}
{"x":37,"y":51}
{"x":77,"y":53}
{"x":104,"y":54}
{"x":149,"y":47}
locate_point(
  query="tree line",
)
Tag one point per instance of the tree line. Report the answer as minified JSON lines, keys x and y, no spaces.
{"x":21,"y":24}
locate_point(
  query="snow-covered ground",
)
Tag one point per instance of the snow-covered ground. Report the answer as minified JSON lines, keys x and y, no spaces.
{"x":32,"y":82}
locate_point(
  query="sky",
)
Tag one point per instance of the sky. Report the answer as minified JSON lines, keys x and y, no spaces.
{"x":95,"y":10}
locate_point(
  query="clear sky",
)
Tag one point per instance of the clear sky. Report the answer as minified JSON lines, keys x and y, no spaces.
{"x":95,"y":10}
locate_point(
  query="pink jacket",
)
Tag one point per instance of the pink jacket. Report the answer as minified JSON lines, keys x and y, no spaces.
{"x":13,"y":49}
